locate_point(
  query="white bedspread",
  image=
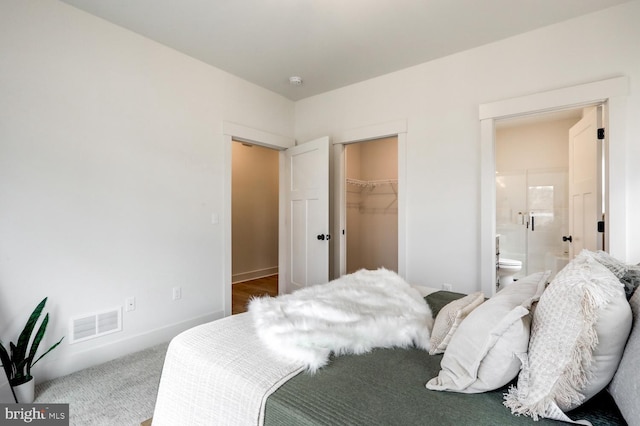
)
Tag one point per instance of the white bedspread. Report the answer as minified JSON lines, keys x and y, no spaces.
{"x":219,"y":373}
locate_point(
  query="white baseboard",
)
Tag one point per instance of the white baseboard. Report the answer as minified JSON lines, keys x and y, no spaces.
{"x":252,"y":275}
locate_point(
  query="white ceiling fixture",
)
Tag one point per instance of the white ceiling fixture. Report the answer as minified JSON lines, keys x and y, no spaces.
{"x":295,"y":80}
{"x":333,"y":43}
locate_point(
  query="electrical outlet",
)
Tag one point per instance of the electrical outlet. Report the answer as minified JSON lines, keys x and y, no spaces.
{"x":130,"y":304}
{"x":447,"y":287}
{"x":177,"y":293}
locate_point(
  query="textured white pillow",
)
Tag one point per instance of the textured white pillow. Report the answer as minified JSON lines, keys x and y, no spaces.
{"x":579,"y":330}
{"x":482,"y":354}
{"x":449,"y":318}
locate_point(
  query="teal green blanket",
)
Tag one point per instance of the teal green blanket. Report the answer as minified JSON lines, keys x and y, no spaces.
{"x":386,"y":387}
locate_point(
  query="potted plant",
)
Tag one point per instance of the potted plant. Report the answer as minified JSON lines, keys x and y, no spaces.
{"x":18,"y":360}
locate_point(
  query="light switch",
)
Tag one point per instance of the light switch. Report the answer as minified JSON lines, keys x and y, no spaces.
{"x":177,"y":293}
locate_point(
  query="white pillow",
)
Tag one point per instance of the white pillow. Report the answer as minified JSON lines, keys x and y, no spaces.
{"x":449,"y":318}
{"x":580,"y":327}
{"x":483,"y":353}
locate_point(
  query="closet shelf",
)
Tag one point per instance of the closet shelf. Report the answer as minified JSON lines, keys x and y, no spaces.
{"x":373,"y":187}
{"x":373,"y":210}
{"x":371,"y":184}
{"x":366,"y":189}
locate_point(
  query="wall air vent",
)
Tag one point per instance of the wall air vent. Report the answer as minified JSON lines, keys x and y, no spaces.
{"x":96,"y":324}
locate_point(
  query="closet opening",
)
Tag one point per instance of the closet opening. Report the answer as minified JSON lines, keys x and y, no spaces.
{"x":371,"y":185}
{"x":254,"y":222}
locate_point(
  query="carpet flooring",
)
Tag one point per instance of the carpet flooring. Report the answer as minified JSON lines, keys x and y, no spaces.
{"x":121,"y":392}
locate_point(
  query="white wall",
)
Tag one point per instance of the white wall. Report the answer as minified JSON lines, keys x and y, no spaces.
{"x":533,"y":146}
{"x":440,"y":99}
{"x":255,"y":211}
{"x":111,"y":167}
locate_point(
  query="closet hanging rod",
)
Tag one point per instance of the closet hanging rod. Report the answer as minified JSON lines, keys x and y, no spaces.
{"x":371,"y":183}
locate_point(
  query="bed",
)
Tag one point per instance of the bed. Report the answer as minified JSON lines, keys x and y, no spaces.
{"x":221,"y":373}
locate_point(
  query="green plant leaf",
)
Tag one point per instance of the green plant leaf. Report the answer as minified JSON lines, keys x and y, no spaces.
{"x":25,"y":336}
{"x":36,"y":342}
{"x":16,"y":363}
{"x":18,"y":380}
{"x":19,"y":364}
{"x":14,"y":350}
{"x":49,"y":350}
{"x":14,"y":366}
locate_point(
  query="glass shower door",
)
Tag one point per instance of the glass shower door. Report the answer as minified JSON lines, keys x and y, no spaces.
{"x":511,"y":208}
{"x":531,"y":217}
{"x":548,"y":218}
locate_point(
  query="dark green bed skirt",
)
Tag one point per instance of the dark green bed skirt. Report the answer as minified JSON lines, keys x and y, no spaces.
{"x":386,"y":387}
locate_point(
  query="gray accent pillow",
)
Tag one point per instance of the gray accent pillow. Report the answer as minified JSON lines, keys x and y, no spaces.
{"x":629,"y":275}
{"x":631,"y":280}
{"x":625,"y":386}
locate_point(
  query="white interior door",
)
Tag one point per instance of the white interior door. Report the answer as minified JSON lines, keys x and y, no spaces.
{"x":585,"y":181}
{"x":307,"y":190}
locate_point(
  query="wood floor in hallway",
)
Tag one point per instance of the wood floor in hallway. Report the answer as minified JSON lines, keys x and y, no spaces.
{"x":243,"y":291}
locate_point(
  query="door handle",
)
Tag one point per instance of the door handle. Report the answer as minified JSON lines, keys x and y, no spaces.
{"x":533,"y":223}
{"x":569,"y":238}
{"x":324,"y":237}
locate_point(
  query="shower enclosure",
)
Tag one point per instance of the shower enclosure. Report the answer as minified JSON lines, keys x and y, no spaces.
{"x":531,"y":218}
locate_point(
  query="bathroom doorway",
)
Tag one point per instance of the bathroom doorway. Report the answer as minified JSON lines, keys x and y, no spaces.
{"x":254,"y":222}
{"x":533,"y":209}
{"x":612,"y":95}
{"x":371,"y":229}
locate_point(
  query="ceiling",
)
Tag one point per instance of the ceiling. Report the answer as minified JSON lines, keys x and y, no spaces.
{"x":329,"y":43}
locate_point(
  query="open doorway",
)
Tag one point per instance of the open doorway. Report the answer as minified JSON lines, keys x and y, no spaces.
{"x":371,"y":171}
{"x":254,"y":222}
{"x":539,"y":174}
{"x":532,"y":209}
{"x":611,"y":92}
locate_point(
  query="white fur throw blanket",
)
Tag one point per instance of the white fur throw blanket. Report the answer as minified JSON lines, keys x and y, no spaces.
{"x":350,"y":315}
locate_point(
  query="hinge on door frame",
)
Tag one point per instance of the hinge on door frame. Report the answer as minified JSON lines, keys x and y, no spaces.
{"x":601,"y":133}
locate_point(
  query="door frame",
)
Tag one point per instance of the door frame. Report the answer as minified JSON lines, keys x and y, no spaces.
{"x":613,"y":93}
{"x":397,"y":128}
{"x":238,"y":132}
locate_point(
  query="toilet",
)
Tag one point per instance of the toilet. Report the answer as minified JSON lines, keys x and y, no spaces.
{"x":507,"y":268}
